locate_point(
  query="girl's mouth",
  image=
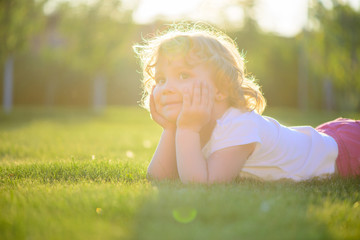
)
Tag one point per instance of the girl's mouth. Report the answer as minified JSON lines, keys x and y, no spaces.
{"x":171,"y":103}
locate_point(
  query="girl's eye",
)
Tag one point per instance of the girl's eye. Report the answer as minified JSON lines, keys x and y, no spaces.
{"x":184,"y":76}
{"x":160,"y":80}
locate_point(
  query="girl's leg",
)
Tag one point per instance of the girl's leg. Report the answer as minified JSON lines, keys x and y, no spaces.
{"x":346,"y":133}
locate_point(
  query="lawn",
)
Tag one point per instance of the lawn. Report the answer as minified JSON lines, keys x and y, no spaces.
{"x":76,"y":174}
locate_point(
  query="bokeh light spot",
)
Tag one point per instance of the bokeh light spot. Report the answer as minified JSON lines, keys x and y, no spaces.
{"x":99,"y":211}
{"x":147,"y":144}
{"x":130,"y":154}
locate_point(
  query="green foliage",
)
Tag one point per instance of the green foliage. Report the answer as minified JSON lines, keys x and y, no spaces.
{"x":76,"y":174}
{"x":19,"y":21}
{"x":93,"y":38}
{"x":272,"y":60}
{"x":334,"y":50}
{"x":76,"y":43}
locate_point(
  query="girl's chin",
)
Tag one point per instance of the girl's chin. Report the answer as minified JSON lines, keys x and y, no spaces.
{"x":171,"y":117}
{"x":171,"y":113}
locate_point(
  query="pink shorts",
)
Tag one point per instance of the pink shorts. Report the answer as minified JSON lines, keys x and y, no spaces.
{"x":346,"y":133}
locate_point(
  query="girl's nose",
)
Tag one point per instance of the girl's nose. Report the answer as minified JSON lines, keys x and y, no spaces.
{"x":169,"y":87}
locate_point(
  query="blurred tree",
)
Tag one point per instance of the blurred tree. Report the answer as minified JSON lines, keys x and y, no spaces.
{"x":272,"y":60}
{"x":303,"y":68}
{"x":95,"y":38}
{"x":249,"y":11}
{"x":235,"y":14}
{"x":334,"y":52}
{"x":19,"y":21}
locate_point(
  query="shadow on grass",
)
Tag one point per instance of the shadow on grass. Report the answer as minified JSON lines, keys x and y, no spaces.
{"x":246,"y":209}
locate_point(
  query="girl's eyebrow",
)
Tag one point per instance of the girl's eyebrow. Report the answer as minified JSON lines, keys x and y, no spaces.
{"x":157,"y":69}
{"x":183,"y":66}
{"x":157,"y":74}
{"x":175,"y":65}
{"x":180,"y":67}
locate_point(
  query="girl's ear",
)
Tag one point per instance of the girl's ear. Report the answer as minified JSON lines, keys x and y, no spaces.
{"x":220,"y":96}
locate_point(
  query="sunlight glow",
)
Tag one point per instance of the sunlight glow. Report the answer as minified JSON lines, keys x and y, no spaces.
{"x":150,"y":9}
{"x":283,"y":17}
{"x":280,"y":16}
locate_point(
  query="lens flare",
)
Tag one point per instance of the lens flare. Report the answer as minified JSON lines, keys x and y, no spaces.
{"x":184,"y":214}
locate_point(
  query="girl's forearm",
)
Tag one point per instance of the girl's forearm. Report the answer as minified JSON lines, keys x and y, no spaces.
{"x":192,"y":166}
{"x":163,"y":163}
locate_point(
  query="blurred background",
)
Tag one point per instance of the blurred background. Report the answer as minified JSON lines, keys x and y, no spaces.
{"x":61,"y":53}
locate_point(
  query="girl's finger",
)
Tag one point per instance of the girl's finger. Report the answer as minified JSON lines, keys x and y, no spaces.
{"x":211,"y":97}
{"x":205,"y":94}
{"x":152,"y":103}
{"x":197,"y":93}
{"x":153,"y":111}
{"x":186,"y":98}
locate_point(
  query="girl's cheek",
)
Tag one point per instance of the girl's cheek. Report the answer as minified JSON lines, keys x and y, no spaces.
{"x":190,"y":88}
{"x":156,"y":92}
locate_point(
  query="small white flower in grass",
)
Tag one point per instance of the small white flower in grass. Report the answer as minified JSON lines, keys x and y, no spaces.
{"x":147,"y":144}
{"x":155,"y":189}
{"x":92,"y":157}
{"x":130,"y":154}
{"x":265,"y":206}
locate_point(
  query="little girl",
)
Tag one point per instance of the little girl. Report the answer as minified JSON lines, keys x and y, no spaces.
{"x":213,"y":131}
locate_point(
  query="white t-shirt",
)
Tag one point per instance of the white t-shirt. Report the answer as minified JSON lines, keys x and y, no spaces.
{"x":297,"y":153}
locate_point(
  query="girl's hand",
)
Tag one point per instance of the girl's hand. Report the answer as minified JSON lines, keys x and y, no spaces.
{"x":163,"y":122}
{"x":196,"y":113}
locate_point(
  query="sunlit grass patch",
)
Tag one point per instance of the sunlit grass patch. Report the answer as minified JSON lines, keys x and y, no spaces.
{"x":49,"y":135}
{"x":74,"y":174}
{"x":65,"y":210}
{"x":231,"y":211}
{"x":98,"y":171}
{"x":340,"y":217}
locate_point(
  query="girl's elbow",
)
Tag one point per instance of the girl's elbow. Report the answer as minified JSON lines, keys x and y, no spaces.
{"x":158,"y":176}
{"x":213,"y":179}
{"x":153,"y":175}
{"x":194,"y":179}
{"x":149,"y":176}
{"x":203,"y":181}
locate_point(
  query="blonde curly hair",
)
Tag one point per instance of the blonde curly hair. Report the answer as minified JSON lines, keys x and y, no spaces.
{"x":200,"y":43}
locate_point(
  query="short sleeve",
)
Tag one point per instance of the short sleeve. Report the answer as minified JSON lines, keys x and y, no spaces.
{"x":234,"y":130}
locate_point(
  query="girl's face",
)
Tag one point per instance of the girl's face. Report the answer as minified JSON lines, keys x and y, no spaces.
{"x":172,"y":77}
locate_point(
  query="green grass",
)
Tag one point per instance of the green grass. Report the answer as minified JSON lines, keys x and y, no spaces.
{"x":75,"y":174}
